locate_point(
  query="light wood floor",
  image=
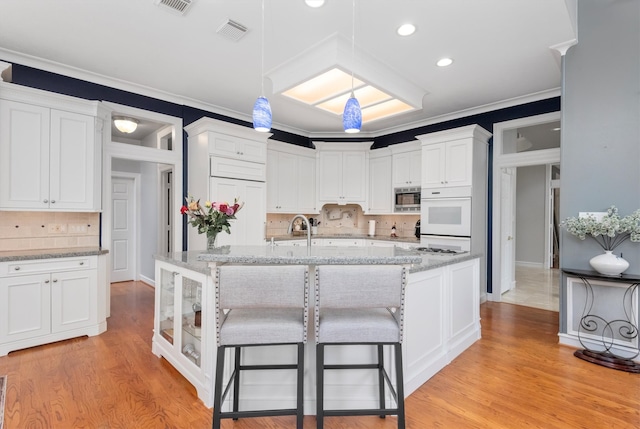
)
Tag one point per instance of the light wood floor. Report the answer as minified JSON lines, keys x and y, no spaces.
{"x":516,"y":376}
{"x":535,"y":287}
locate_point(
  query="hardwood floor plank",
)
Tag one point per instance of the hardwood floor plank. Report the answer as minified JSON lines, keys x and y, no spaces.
{"x":516,"y":376}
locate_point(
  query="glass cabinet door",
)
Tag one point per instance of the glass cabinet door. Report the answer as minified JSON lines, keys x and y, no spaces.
{"x":191,"y":319}
{"x":166,"y":307}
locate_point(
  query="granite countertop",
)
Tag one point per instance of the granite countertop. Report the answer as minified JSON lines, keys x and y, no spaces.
{"x":25,"y":255}
{"x":198,"y":260}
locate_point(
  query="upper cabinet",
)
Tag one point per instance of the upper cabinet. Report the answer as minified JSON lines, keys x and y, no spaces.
{"x":291,"y":179}
{"x":50,"y":151}
{"x":407,"y":164}
{"x":454,"y":157}
{"x":380,"y":189}
{"x":342,"y":172}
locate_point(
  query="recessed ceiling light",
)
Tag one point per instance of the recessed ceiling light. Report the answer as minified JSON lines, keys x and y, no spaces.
{"x":406,"y":29}
{"x":314,"y":3}
{"x":444,"y":62}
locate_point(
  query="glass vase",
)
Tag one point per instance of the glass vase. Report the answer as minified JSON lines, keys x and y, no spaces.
{"x":211,"y":241}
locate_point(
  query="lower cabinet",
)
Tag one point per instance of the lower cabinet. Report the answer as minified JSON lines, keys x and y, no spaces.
{"x":442,"y":319}
{"x":183,"y":333}
{"x":43,"y":301}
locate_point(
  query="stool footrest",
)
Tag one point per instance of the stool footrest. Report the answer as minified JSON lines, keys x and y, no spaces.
{"x":362,"y":412}
{"x":260,"y":413}
{"x":266,"y":367}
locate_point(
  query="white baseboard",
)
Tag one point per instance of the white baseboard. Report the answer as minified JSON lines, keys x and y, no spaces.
{"x":147,"y":280}
{"x":530,"y":264}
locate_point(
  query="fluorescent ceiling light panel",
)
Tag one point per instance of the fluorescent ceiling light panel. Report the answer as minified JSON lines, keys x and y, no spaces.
{"x":327,"y":85}
{"x":384,"y":110}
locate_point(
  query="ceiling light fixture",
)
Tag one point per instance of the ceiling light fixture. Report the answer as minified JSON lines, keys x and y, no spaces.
{"x":406,"y":30}
{"x":352,"y":116}
{"x":314,"y":3}
{"x":125,"y":125}
{"x":262,"y":118}
{"x":444,"y":62}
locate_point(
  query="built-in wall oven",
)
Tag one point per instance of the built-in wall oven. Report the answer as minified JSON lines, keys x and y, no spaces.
{"x":446,"y":213}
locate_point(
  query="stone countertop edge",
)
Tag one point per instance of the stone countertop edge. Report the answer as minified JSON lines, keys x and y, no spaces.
{"x":26,"y":255}
{"x":188,"y":260}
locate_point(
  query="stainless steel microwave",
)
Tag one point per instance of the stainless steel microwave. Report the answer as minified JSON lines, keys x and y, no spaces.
{"x":407,"y":200}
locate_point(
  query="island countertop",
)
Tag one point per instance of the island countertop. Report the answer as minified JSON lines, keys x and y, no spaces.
{"x":318,"y":255}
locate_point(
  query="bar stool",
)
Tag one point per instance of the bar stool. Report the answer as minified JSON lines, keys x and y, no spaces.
{"x":257,"y":306}
{"x":360,"y":304}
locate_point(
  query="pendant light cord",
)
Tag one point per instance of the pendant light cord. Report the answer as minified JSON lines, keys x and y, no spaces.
{"x":353,"y":43}
{"x":262,"y":59}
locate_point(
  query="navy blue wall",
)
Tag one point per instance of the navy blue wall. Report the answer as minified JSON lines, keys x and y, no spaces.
{"x":35,"y":78}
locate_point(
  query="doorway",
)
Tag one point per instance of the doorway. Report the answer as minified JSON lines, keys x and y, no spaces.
{"x":517,"y":143}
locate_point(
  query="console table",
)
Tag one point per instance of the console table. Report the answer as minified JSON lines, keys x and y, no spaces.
{"x":592,"y":325}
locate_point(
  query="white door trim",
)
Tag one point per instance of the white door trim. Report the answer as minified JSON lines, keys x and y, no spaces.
{"x":539,"y":157}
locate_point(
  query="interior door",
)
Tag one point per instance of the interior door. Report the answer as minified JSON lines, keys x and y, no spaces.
{"x":123,"y":230}
{"x":507,"y":229}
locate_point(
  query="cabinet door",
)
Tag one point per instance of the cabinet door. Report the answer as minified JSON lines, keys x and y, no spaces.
{"x":415,"y":168}
{"x":380,"y":189}
{"x":282,"y":182}
{"x":306,"y":185}
{"x":235,"y":147}
{"x":72,"y":154}
{"x":458,"y":163}
{"x":25,"y":307}
{"x":354,"y":177}
{"x":249,"y":226}
{"x":192,"y":325}
{"x":402,"y":169}
{"x":433,"y":165}
{"x":24,"y":156}
{"x":165,"y":302}
{"x":330,"y":177}
{"x":74,"y":299}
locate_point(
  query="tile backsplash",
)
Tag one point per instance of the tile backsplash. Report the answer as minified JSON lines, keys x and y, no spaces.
{"x":346,"y":219}
{"x":48,"y":230}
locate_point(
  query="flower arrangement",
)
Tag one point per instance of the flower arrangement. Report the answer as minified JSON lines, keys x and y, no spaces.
{"x":211,"y":219}
{"x":609,"y":232}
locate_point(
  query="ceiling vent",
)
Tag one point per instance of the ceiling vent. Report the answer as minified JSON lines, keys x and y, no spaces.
{"x":232,"y":30}
{"x":179,"y":7}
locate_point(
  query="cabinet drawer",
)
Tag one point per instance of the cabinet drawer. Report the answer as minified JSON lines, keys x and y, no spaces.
{"x":35,"y":266}
{"x":236,"y":169}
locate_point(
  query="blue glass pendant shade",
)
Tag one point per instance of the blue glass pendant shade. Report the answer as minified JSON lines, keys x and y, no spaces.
{"x":352,"y":116}
{"x":262,"y":115}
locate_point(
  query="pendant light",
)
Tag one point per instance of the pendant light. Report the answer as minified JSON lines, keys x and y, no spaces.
{"x":262,"y":109}
{"x":352,"y":116}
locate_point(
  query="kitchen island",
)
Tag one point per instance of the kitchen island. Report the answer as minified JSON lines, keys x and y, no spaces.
{"x":441,"y":320}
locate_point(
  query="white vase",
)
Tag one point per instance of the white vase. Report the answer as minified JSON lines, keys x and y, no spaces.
{"x":609,"y":264}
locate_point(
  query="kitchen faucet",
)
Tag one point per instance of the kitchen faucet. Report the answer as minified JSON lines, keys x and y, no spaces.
{"x":306,"y":221}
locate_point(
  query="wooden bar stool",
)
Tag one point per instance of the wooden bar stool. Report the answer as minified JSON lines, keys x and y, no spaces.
{"x":360,"y":304}
{"x":258,"y":306}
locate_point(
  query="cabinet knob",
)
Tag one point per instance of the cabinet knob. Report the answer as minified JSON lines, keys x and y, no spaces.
{"x":175,"y":273}
{"x":81,"y":263}
{"x":17,"y":268}
{"x":46,"y":201}
{"x":55,"y":280}
{"x":46,"y":281}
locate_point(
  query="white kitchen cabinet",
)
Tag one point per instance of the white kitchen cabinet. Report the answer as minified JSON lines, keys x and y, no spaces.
{"x":48,"y":300}
{"x":456,"y":157}
{"x":342,"y":173}
{"x":183,"y":333}
{"x":380,"y":189}
{"x":227,"y":161}
{"x":343,"y":242}
{"x":50,"y":158}
{"x":291,"y":181}
{"x":407,"y":165}
{"x":249,"y":226}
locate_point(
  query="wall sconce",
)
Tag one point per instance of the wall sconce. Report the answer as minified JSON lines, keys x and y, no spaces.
{"x":125,"y":125}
